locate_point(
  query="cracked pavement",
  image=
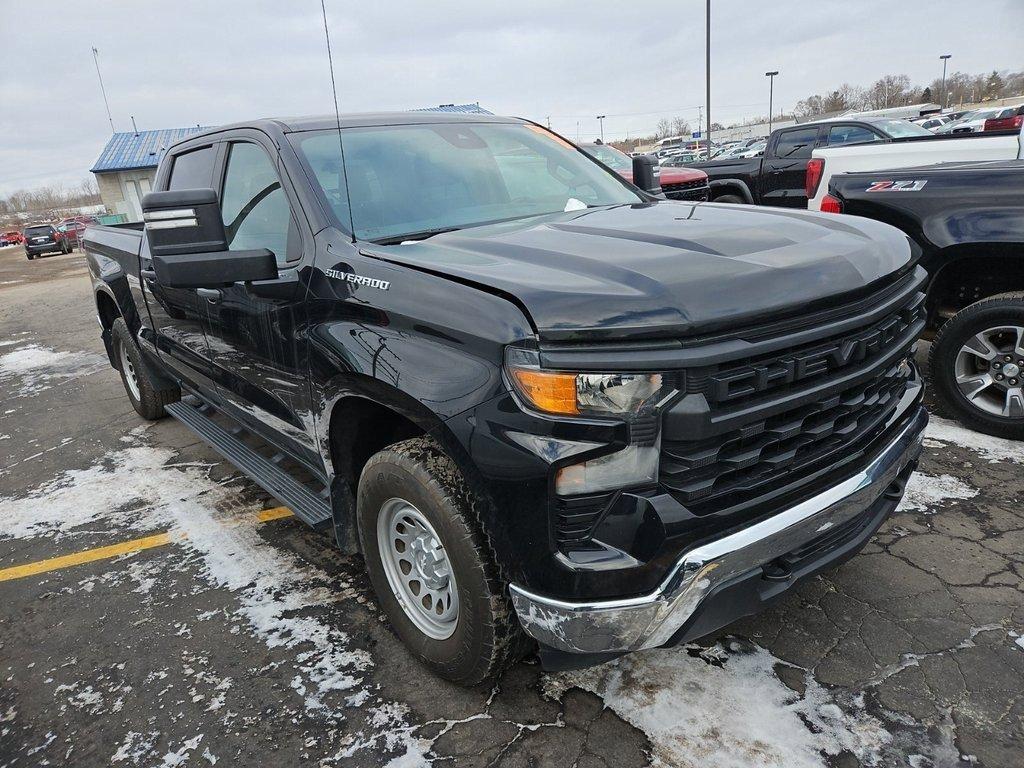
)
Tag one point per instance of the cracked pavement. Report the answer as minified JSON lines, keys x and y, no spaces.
{"x":246,"y":641}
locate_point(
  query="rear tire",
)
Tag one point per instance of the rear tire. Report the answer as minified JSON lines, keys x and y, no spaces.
{"x":728,"y":199}
{"x":147,"y":399}
{"x":979,"y":395}
{"x":417,"y":516}
{"x":29,"y":256}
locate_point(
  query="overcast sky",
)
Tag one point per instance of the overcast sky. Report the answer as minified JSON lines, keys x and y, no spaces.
{"x":186,"y":63}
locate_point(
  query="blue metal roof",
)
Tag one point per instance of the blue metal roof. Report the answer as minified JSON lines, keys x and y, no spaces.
{"x":462,"y":109}
{"x":129,"y":151}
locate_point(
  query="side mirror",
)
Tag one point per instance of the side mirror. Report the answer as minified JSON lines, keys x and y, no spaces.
{"x":644,"y":174}
{"x":189,"y":246}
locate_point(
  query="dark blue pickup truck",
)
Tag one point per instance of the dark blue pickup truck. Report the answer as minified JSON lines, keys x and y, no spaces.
{"x":546,"y":406}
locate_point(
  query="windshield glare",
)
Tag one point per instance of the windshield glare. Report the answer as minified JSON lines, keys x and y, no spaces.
{"x":900,"y":129}
{"x":406,"y":180}
{"x":611,"y":157}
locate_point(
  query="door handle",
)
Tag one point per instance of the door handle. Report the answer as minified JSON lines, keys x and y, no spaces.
{"x":148,"y":274}
{"x":210,"y":294}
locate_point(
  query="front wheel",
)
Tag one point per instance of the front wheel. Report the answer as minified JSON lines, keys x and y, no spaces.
{"x":977,"y":366}
{"x":430,"y":564}
{"x":147,"y":399}
{"x":728,"y":199}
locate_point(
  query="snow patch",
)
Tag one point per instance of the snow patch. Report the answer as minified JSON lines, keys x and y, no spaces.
{"x":727,"y":709}
{"x":925,"y":492}
{"x":992,"y":448}
{"x":38,"y":367}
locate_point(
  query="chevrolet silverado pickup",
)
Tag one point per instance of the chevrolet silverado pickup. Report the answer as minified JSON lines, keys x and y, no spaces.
{"x":968,"y":220}
{"x":545,"y":405}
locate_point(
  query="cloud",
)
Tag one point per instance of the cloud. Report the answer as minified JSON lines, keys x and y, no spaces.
{"x":212,"y":63}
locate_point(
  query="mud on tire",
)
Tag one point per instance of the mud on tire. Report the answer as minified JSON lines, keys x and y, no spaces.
{"x":147,"y":399}
{"x":486,"y":638}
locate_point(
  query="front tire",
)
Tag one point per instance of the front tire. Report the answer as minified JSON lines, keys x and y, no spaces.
{"x":977,"y":366}
{"x":431,"y":566}
{"x":147,"y":399}
{"x":728,"y":199}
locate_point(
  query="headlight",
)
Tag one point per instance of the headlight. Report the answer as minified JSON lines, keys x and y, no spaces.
{"x":575,"y":394}
{"x":632,"y":397}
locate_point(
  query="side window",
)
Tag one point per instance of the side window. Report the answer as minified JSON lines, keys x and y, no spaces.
{"x":192,"y":170}
{"x":796,"y":144}
{"x":849,"y":134}
{"x":254,"y":206}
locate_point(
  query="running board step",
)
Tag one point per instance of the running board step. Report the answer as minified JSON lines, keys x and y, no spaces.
{"x":307,"y":505}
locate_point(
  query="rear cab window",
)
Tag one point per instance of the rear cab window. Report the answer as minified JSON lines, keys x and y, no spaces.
{"x":38,"y":231}
{"x":796,"y":144}
{"x":850,"y":134}
{"x":193,"y":169}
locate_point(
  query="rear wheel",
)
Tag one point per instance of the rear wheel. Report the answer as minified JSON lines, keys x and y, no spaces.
{"x":29,"y":256}
{"x":147,"y":399}
{"x":977,"y":366}
{"x":430,"y":564}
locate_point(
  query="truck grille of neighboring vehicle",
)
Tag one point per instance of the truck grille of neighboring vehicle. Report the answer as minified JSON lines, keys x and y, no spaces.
{"x":696,"y":190}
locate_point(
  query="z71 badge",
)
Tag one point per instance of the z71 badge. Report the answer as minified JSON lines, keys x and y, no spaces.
{"x":897,"y":186}
{"x":370,"y":282}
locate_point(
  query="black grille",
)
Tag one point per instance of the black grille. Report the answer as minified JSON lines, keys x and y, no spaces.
{"x":765,"y":454}
{"x":818,"y":360}
{"x":696,"y":190}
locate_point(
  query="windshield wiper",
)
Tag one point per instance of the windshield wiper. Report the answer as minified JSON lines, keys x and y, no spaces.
{"x":423,"y":235}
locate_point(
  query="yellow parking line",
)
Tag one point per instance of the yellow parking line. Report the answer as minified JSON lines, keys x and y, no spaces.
{"x":114,"y":550}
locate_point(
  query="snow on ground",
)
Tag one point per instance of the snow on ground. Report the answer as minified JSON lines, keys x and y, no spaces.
{"x":992,"y":448}
{"x":726,"y":707}
{"x":38,"y":367}
{"x":926,"y":492}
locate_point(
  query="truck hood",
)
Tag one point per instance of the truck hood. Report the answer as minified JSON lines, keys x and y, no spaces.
{"x":661,"y":269}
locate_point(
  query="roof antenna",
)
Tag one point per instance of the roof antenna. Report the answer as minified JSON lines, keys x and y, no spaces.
{"x":337,"y":117}
{"x":96,"y":60}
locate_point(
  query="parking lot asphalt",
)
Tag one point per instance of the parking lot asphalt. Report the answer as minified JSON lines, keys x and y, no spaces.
{"x":157,"y":609}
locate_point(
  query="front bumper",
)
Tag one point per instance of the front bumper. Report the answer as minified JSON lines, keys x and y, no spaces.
{"x":652,"y":620}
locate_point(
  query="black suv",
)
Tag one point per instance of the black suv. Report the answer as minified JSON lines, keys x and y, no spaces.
{"x":44,"y":238}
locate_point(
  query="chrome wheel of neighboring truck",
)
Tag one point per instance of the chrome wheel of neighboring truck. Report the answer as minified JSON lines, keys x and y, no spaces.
{"x":977,"y":365}
{"x":431,"y":566}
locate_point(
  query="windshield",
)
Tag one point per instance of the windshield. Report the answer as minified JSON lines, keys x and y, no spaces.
{"x":900,"y":129}
{"x":610,"y":156}
{"x":409,"y":180}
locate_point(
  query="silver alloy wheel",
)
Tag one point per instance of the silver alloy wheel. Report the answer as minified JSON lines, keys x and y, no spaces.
{"x":989,"y":370}
{"x":418,"y":569}
{"x":130,"y":376}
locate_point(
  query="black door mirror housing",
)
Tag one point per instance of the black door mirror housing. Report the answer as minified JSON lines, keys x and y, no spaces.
{"x":189,"y":246}
{"x":644,"y":174}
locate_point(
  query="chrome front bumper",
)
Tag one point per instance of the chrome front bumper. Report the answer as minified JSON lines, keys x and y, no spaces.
{"x":651,"y":620}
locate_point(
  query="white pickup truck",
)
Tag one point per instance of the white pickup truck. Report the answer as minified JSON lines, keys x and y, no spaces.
{"x":906,"y":153}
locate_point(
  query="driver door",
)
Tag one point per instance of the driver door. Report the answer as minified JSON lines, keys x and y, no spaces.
{"x":257,"y":331}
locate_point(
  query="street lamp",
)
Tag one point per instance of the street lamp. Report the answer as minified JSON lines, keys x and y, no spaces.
{"x":601,"y":119}
{"x":945,"y":57}
{"x":771,"y":95}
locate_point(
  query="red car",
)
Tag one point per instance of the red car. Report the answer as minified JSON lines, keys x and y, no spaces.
{"x":72,"y":230}
{"x":677,"y":183}
{"x":1010,"y":119}
{"x":11,"y":238}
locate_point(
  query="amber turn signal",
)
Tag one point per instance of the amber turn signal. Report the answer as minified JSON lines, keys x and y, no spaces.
{"x":550,"y":392}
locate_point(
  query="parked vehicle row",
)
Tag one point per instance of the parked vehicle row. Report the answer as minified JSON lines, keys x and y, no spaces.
{"x":62,"y":237}
{"x":968,"y":221}
{"x":546,"y":405}
{"x":676,"y":183}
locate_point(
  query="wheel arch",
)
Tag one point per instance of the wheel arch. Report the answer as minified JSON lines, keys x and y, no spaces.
{"x":967,"y":273}
{"x":721,"y":187}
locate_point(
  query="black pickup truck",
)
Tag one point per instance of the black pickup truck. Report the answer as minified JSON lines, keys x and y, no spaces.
{"x":779,"y":175}
{"x":540,"y":401}
{"x":968,"y":220}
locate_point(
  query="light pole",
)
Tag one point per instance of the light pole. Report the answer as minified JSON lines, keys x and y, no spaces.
{"x":707,"y":55}
{"x":601,"y":120}
{"x":771,"y":95}
{"x":945,"y":57}
{"x":96,"y":60}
